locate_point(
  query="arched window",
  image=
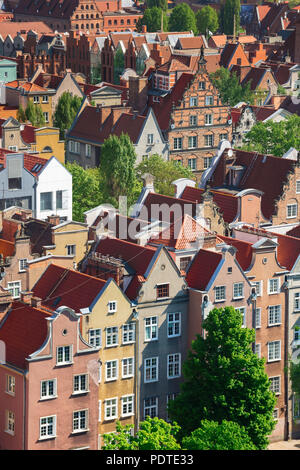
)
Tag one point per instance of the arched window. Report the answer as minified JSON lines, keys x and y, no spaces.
{"x":47,"y":149}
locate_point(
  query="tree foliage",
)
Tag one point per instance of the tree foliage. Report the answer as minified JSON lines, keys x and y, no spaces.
{"x":34,"y":114}
{"x":162,"y":4}
{"x":274,"y":138}
{"x":225,"y":380}
{"x":230,"y":10}
{"x":21,"y":116}
{"x":153,"y":434}
{"x":182,"y":18}
{"x":65,"y":112}
{"x":207,"y":20}
{"x":164,"y":173}
{"x":231,"y":91}
{"x":119,"y":65}
{"x":152,"y":19}
{"x":96,"y":74}
{"x":212,"y":435}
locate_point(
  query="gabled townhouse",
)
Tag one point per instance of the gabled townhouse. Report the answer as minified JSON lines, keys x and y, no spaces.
{"x":44,"y":186}
{"x":107,"y":323}
{"x":233,"y":54}
{"x":48,"y":380}
{"x":8,"y":70}
{"x":287,"y":75}
{"x":95,"y":124}
{"x":152,"y":281}
{"x":13,"y":35}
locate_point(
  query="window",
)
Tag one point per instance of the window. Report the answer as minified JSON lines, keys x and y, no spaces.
{"x":128,"y":333}
{"x":14,"y":288}
{"x":193,"y":101}
{"x":173,"y":367}
{"x":151,"y":329}
{"x":46,"y":116}
{"x":275,"y":385}
{"x":177,"y":143}
{"x":151,"y":407}
{"x":258,"y":349}
{"x":192,"y":142}
{"x":238,"y":290}
{"x":47,"y":427}
{"x":296,"y":334}
{"x":14,"y":183}
{"x":36,"y":99}
{"x":209,"y":140}
{"x":292,"y":210}
{"x":45,"y":99}
{"x":95,"y":337}
{"x":13,"y":148}
{"x":99,"y":410}
{"x":242,"y":311}
{"x":258,"y":318}
{"x":61,"y":199}
{"x":298,"y":187}
{"x":258,"y":287}
{"x":127,"y":405}
{"x":10,"y":422}
{"x":274,"y":315}
{"x":296,"y":406}
{"x":111,"y":370}
{"x":112,"y":306}
{"x":10,"y":384}
{"x":74,"y":147}
{"x":201,"y":85}
{"x":273,"y":286}
{"x":150,"y":139}
{"x":274,"y":353}
{"x":111,"y":336}
{"x":80,"y":420}
{"x":184,"y":262}
{"x":63,"y":355}
{"x":151,"y":369}
{"x":220,"y":294}
{"x":193,"y":120}
{"x":275,"y":414}
{"x":208,"y":119}
{"x":192,"y":163}
{"x":174,"y":324}
{"x":23,"y":264}
{"x":162,"y":291}
{"x":297,"y":301}
{"x":223,"y":137}
{"x":88,"y":150}
{"x":48,"y":389}
{"x":80,"y":383}
{"x":46,"y":201}
{"x":127,"y":368}
{"x":209,"y":100}
{"x":71,"y":250}
{"x":207,"y":162}
{"x":111,"y":408}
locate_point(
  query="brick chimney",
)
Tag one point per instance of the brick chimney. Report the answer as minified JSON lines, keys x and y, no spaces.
{"x":53,"y":219}
{"x":36,"y":302}
{"x":138,"y":93}
{"x":26,"y":297}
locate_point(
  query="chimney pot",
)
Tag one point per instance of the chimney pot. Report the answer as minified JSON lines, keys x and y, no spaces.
{"x":36,"y":302}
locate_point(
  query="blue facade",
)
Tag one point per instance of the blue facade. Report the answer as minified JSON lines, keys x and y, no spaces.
{"x":8,"y":70}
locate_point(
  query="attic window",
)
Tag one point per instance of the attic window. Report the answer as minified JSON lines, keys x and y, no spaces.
{"x":229,"y":270}
{"x":36,"y":167}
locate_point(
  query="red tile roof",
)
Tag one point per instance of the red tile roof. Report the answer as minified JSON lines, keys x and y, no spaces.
{"x":13,"y":27}
{"x":29,"y":161}
{"x":191,"y":42}
{"x":6,"y":248}
{"x":243,"y":253}
{"x":202,"y":269}
{"x":27,"y":134}
{"x":173,"y":65}
{"x":23,"y":331}
{"x":294,"y":232}
{"x":26,"y":86}
{"x":154,"y":200}
{"x":59,"y":9}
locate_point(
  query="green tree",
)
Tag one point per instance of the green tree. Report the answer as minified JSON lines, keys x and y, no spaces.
{"x":153,"y":434}
{"x":164,"y":173}
{"x":117,"y":169}
{"x":65,"y":112}
{"x":230,"y":10}
{"x":212,"y":435}
{"x":96,"y":74}
{"x":152,"y":19}
{"x":162,"y":4}
{"x":86,"y":189}
{"x":225,"y":380}
{"x":231,"y":91}
{"x":274,"y":138}
{"x":30,"y":112}
{"x":207,"y":20}
{"x":281,"y":90}
{"x":21,"y":116}
{"x":119,"y":65}
{"x":40,"y":118}
{"x":182,"y":18}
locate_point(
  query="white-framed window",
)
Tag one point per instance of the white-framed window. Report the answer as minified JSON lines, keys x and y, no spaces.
{"x":112,"y":334}
{"x":46,"y":116}
{"x":170,"y":397}
{"x":209,"y":100}
{"x":192,"y":142}
{"x":15,"y":289}
{"x":127,"y":405}
{"x":193,"y":101}
{"x":150,"y":139}
{"x":275,"y":413}
{"x":45,"y":99}
{"x":298,"y":187}
{"x":88,"y":150}
{"x":48,"y":427}
{"x":48,"y":389}
{"x":177,"y":143}
{"x":291,"y":211}
{"x":258,"y":349}
{"x":275,"y":385}
{"x":112,"y":306}
{"x":80,"y":383}
{"x":242,"y":311}
{"x":71,"y":250}
{"x":36,"y":99}
{"x":296,"y":333}
{"x":273,"y":286}
{"x":127,"y":367}
{"x":111,"y":408}
{"x":258,"y":287}
{"x":13,"y":148}
{"x":220,"y":293}
{"x":10,"y":422}
{"x":62,"y":199}
{"x":274,"y":315}
{"x":151,"y":369}
{"x":23,"y":263}
{"x":223,"y":136}
{"x":274,"y":351}
{"x":150,"y":407}
{"x":174,"y":366}
{"x":10,"y":384}
{"x":208,"y":119}
{"x":64,"y":355}
{"x":192,"y":163}
{"x":74,"y":146}
{"x":238,"y":290}
{"x":201,"y":85}
{"x":207,"y":162}
{"x":128,"y":333}
{"x":46,"y":202}
{"x":297,"y":301}
{"x":99,"y":410}
{"x":258,"y":317}
{"x":174,"y":324}
{"x":209,"y":140}
{"x":111,"y":370}
{"x":95,"y":337}
{"x":193,"y":120}
{"x":151,"y":329}
{"x":80,"y":421}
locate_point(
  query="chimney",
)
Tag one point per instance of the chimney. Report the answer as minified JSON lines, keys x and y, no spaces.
{"x":138,"y":93}
{"x":144,"y":28}
{"x":36,"y":302}
{"x":53,"y":219}
{"x":26,"y":297}
{"x":5,"y":302}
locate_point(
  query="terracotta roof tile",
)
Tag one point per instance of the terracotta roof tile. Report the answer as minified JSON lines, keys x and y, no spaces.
{"x":7,"y":248}
{"x":202,"y":269}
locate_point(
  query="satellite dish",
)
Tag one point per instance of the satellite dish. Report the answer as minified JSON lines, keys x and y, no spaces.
{"x":172,"y":126}
{"x":230,"y":153}
{"x":229,"y":121}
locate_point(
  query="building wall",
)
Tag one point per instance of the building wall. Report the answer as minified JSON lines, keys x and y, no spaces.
{"x":49,"y":137}
{"x":13,"y":272}
{"x":159,"y":147}
{"x":70,"y":234}
{"x":8,"y":71}
{"x":290,"y":197}
{"x":39,"y":265}
{"x":9,"y":196}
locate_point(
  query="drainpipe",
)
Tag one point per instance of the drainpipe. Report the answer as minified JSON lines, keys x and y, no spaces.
{"x":136,"y":374}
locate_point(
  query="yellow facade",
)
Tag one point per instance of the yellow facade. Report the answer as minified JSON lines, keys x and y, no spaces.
{"x":45,"y":105}
{"x":121,"y":386}
{"x":48,"y":144}
{"x":70,"y":234}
